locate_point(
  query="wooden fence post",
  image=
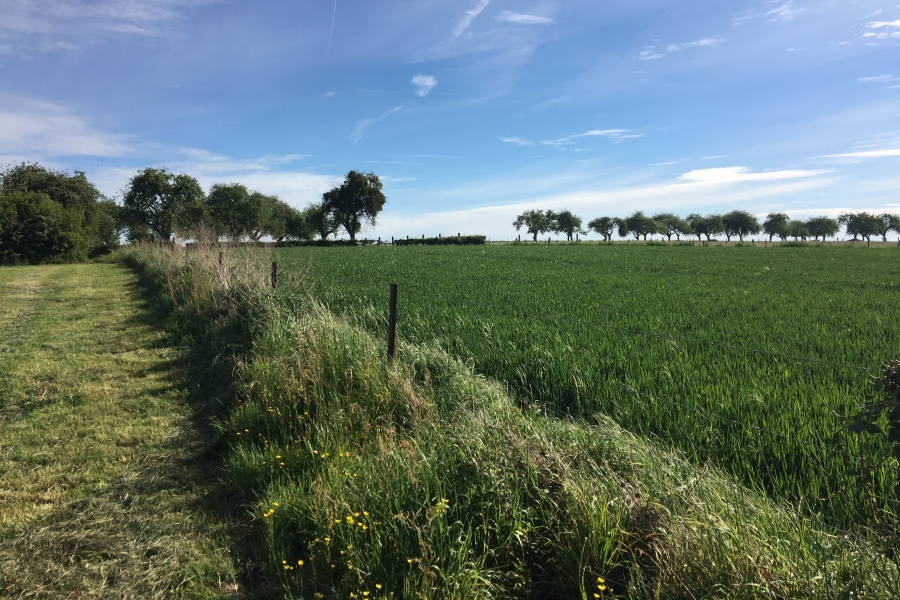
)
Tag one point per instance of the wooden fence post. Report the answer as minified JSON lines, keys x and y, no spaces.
{"x":274,"y":275}
{"x":392,"y":324}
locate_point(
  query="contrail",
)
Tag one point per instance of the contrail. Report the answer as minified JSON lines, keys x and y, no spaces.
{"x":333,"y":15}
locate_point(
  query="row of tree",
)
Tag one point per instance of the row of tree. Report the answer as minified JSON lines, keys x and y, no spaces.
{"x":49,"y":216}
{"x":158,"y":203}
{"x":737,"y":223}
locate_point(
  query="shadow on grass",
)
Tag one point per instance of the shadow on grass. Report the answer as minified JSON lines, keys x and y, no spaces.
{"x":172,"y":526}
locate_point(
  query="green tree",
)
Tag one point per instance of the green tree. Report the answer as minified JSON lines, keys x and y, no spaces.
{"x":638,"y":224}
{"x":740,"y":223}
{"x":564,"y":222}
{"x":357,"y":201}
{"x":36,"y":229}
{"x":885,"y":223}
{"x":670,"y":224}
{"x":228,"y":207}
{"x":535,"y":222}
{"x":776,"y":223}
{"x":798,"y":229}
{"x":605,"y":226}
{"x":860,"y":225}
{"x":158,"y":202}
{"x":709,"y":225}
{"x":823,"y":227}
{"x":320,"y":222}
{"x":73,"y":193}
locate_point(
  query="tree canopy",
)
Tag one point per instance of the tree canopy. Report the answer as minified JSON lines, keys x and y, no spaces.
{"x":605,"y":226}
{"x":535,"y":222}
{"x":564,"y":222}
{"x":740,"y":223}
{"x":157,"y":203}
{"x":776,"y":224}
{"x":354,"y":203}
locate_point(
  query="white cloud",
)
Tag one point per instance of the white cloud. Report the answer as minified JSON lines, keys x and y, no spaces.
{"x":614,"y":134}
{"x":470,"y":16}
{"x":363,"y":123}
{"x":725,"y":175}
{"x":76,"y":18}
{"x":424,"y":83}
{"x":709,"y":42}
{"x":38,"y":129}
{"x":785,"y":11}
{"x":494,"y":221}
{"x":882,"y":24}
{"x":514,"y":17}
{"x":650,"y":55}
{"x":876,"y":79}
{"x":517,"y":141}
{"x":264,"y":174}
{"x":867,"y":154}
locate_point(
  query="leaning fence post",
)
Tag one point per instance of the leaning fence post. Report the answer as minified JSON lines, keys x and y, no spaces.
{"x":392,"y":324}
{"x":274,"y":275}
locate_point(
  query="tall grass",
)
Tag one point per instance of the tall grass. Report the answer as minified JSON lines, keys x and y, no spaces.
{"x":421,"y":479}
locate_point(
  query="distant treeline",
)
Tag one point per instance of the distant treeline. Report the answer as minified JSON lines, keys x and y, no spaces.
{"x":459,"y":240}
{"x":737,"y":223}
{"x":50,"y":216}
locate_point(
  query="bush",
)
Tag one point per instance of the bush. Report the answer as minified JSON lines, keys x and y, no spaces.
{"x":35,"y":229}
{"x":463,"y":240}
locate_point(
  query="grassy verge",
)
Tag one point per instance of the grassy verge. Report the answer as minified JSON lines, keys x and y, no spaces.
{"x":422,"y":479}
{"x":108,"y":483}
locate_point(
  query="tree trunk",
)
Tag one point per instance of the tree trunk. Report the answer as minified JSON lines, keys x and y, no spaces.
{"x":535,"y":236}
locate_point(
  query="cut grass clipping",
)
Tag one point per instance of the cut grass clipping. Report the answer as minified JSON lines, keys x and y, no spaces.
{"x":424,"y":480}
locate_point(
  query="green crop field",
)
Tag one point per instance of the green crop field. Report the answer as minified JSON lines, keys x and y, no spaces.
{"x":743,"y":357}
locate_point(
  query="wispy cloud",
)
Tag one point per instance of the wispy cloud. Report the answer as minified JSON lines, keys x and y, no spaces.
{"x":704,"y":42}
{"x":470,"y":16}
{"x":424,"y":83}
{"x":651,"y":53}
{"x":743,"y":174}
{"x":522,"y":19}
{"x":877,"y":79}
{"x":883,"y":24}
{"x":363,"y":123}
{"x":37,"y":129}
{"x":75,"y":18}
{"x":785,"y":11}
{"x":867,"y":154}
{"x":614,"y":134}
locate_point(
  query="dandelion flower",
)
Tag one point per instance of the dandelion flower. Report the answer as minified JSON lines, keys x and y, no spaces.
{"x":299,"y":563}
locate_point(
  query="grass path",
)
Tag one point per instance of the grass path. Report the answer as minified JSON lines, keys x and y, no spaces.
{"x":110,"y":486}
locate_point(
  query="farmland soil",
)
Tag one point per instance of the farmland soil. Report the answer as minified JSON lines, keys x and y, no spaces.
{"x":110,"y":482}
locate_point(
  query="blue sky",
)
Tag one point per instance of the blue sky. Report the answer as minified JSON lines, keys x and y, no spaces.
{"x":471,"y":110}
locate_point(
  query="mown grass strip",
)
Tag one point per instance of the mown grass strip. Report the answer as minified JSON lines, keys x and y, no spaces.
{"x":108,"y":486}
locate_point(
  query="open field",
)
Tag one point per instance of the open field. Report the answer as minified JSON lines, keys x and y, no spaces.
{"x":108,"y":487}
{"x":741,"y":356}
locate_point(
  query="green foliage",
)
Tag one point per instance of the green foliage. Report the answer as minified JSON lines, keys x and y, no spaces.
{"x":638,"y":224}
{"x":35,"y":229}
{"x":516,"y":314}
{"x":461,"y":240}
{"x":91,"y":217}
{"x":535,"y":222}
{"x":740,"y":223}
{"x":776,"y":224}
{"x":671,"y":224}
{"x":158,"y":203}
{"x":824,"y":227}
{"x":565,"y":222}
{"x":605,"y":226}
{"x":354,"y":203}
{"x":861,"y":225}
